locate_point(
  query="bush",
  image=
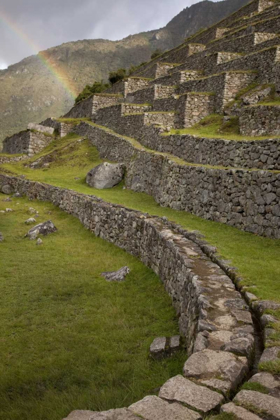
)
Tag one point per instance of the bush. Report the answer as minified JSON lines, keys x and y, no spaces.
{"x":156,"y":53}
{"x":116,"y":76}
{"x":97,"y":87}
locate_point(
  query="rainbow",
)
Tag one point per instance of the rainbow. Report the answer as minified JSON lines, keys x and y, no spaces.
{"x":53,"y":67}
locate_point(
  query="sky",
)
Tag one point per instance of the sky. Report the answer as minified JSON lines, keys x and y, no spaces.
{"x":30,"y":26}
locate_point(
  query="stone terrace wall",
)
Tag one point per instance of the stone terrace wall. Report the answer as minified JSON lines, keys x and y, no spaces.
{"x":260,"y":120}
{"x":259,"y":154}
{"x":86,"y":108}
{"x":129,"y":85}
{"x":244,"y":44}
{"x":26,"y":142}
{"x":248,"y":200}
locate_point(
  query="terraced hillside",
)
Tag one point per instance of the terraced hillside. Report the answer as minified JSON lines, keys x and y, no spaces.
{"x":198,"y":131}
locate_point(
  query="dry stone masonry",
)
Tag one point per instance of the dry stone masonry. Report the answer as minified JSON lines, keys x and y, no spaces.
{"x":214,"y":319}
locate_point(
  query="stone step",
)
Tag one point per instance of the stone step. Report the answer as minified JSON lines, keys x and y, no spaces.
{"x":181,"y":53}
{"x":255,"y":17}
{"x":156,"y":70}
{"x":151,"y":93}
{"x":240,"y":413}
{"x":260,"y":120}
{"x":88,"y":107}
{"x":187,"y":392}
{"x":246,"y":43}
{"x":177,"y":77}
{"x":259,"y":403}
{"x":155,"y":408}
{"x":225,"y":85}
{"x":193,"y":107}
{"x":129,"y":85}
{"x":111,"y":116}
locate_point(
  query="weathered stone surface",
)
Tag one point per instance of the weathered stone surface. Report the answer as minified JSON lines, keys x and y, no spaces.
{"x":241,"y":346}
{"x":119,"y":275}
{"x":42,"y":229}
{"x":154,"y":408}
{"x":106,"y":175}
{"x":209,"y":364}
{"x":239,"y":412}
{"x":174,"y":343}
{"x":270,"y":354}
{"x":157,"y":348}
{"x":185,"y":391}
{"x":266,"y":379}
{"x":260,"y":402}
{"x":30,"y":221}
{"x":223,"y":386}
{"x":42,"y":128}
{"x":7,"y":189}
{"x":118,"y":414}
{"x":80,"y":415}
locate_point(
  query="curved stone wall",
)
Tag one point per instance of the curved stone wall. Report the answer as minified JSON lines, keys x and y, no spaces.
{"x":213,"y":317}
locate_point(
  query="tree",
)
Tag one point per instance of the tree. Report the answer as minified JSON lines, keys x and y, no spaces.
{"x":97,"y":87}
{"x":116,"y":76}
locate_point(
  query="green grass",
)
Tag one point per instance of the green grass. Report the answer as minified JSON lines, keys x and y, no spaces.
{"x":254,"y":386}
{"x":223,"y":416}
{"x":214,"y":127}
{"x":257,"y":258}
{"x":272,"y":367}
{"x":69,"y":339}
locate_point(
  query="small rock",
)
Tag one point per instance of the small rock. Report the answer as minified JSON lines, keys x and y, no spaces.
{"x":42,"y":229}
{"x":106,"y":175}
{"x":32,"y":211}
{"x":9,"y":210}
{"x":8,"y":199}
{"x":119,"y":275}
{"x":174,"y":343}
{"x":7,"y":189}
{"x":265,"y":379}
{"x":17,"y":195}
{"x":157,"y":348}
{"x":1,"y":237}
{"x":39,"y":241}
{"x":30,"y":221}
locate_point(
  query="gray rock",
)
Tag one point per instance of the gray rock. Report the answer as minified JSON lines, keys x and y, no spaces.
{"x":118,"y":414}
{"x":30,"y":221}
{"x":106,"y":175}
{"x":157,"y":348}
{"x":39,"y":241}
{"x":239,"y":412}
{"x":42,"y":229}
{"x":175,"y":343}
{"x":119,"y":275}
{"x":223,"y":386}
{"x":270,"y":354}
{"x":208,"y":364}
{"x":1,"y":237}
{"x":154,"y":408}
{"x":241,"y":346}
{"x":259,"y":402}
{"x":185,"y":391}
{"x":266,"y":379}
{"x":7,"y":189}
{"x":80,"y":415}
{"x":41,"y":128}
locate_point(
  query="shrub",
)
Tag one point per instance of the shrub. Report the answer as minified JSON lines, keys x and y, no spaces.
{"x":156,"y":53}
{"x":116,"y":76}
{"x":88,"y":90}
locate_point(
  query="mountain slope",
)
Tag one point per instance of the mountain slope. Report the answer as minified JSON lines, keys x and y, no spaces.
{"x":29,"y":91}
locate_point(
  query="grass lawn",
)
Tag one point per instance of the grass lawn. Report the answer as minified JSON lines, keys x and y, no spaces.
{"x":257,"y":258}
{"x":69,"y":339}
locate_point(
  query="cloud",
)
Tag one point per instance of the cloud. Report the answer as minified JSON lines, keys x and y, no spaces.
{"x":34,"y":25}
{"x":3,"y":65}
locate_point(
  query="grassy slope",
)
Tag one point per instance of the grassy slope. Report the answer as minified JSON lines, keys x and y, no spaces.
{"x":69,"y":339}
{"x":257,"y":258}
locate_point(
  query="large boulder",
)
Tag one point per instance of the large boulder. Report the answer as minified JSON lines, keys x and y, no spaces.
{"x":42,"y":229}
{"x":106,"y":175}
{"x":7,"y":189}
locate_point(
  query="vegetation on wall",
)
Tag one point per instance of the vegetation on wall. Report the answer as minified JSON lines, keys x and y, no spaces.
{"x":96,"y":87}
